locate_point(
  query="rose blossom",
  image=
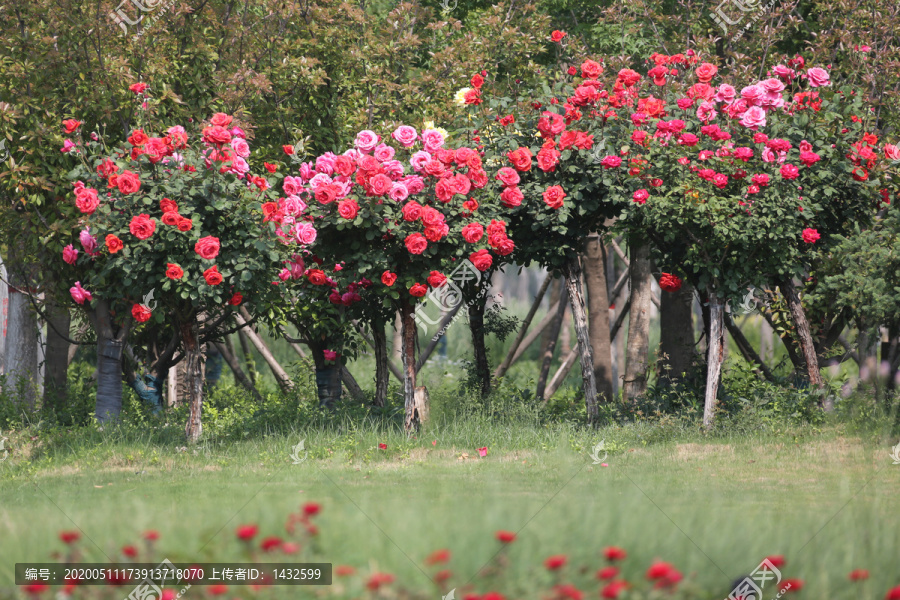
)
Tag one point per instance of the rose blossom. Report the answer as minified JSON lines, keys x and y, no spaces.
{"x":789,"y":171}
{"x":810,"y":236}
{"x":398,"y":192}
{"x":784,"y":72}
{"x":142,"y":226}
{"x":891,"y":152}
{"x":725,"y":93}
{"x":207,"y":247}
{"x":817,"y":77}
{"x":348,"y":209}
{"x":70,"y":254}
{"x":472,"y":232}
{"x":416,"y":243}
{"x":406,"y":135}
{"x":419,"y":160}
{"x":383,"y":152}
{"x":754,"y":118}
{"x":482,"y":260}
{"x":388,"y":278}
{"x":412,"y":211}
{"x":304,"y":233}
{"x":553,"y":196}
{"x":366,"y":140}
{"x":432,"y":139}
{"x":79,"y":294}
{"x":241,"y":147}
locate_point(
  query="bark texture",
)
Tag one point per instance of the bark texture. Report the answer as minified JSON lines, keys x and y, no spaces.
{"x":576,"y":299}
{"x":638,"y":346}
{"x":598,"y":316}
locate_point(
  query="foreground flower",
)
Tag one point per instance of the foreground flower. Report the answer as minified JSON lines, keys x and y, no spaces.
{"x":858,"y":575}
{"x":505,"y":537}
{"x":614,"y":553}
{"x":246,"y":533}
{"x":79,"y":295}
{"x":482,"y":452}
{"x":437,"y":557}
{"x":555,"y":562}
{"x":613,"y":589}
{"x":69,"y":537}
{"x":382,"y":446}
{"x":376,"y":580}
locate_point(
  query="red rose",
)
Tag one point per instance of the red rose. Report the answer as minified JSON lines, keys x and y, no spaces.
{"x":167,"y":205}
{"x":669,"y":282}
{"x":380,"y":184}
{"x":185,"y":224}
{"x":511,"y":197}
{"x":555,"y":562}
{"x":246,"y":532}
{"x":418,"y":290}
{"x":508,"y":176}
{"x":348,"y":209}
{"x":173,"y":271}
{"x":477,"y":81}
{"x":482,"y":260}
{"x":326,"y":194}
{"x":113,"y":243}
{"x":557,"y":35}
{"x":505,"y":537}
{"x":71,"y":125}
{"x":614,"y":553}
{"x":207,"y":247}
{"x":171,"y":218}
{"x":416,"y":243}
{"x":472,"y":232}
{"x":142,"y":226}
{"x":705,"y":72}
{"x":506,"y":247}
{"x":520,"y":158}
{"x":128,"y":182}
{"x":86,"y":200}
{"x":789,"y":171}
{"x":412,"y":211}
{"x":317,"y":277}
{"x":140,"y":313}
{"x":591,"y":69}
{"x":343,"y":166}
{"x":388,"y":278}
{"x":216,"y":135}
{"x":212,"y":275}
{"x":138,"y":88}
{"x":547,"y":159}
{"x":436,"y":279}
{"x":236,"y":300}
{"x":138,"y":138}
{"x":811,"y":236}
{"x":220,"y":119}
{"x":289,"y":150}
{"x":553,"y":196}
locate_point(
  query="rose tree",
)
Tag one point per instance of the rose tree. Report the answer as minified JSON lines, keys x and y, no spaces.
{"x":402,"y":212}
{"x":735,"y":184}
{"x":176,"y":216}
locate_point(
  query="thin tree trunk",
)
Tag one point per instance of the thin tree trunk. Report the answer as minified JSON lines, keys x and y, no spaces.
{"x":636,"y":354}
{"x":110,"y":345}
{"x":382,"y":374}
{"x":676,"y":344}
{"x":715,"y":355}
{"x":194,"y":373}
{"x":476,"y":325}
{"x":235,"y":366}
{"x":552,"y":336}
{"x":556,"y":289}
{"x":56,"y":360}
{"x":281,"y":376}
{"x":504,"y":366}
{"x":598,"y":315}
{"x":408,"y":332}
{"x":248,"y":356}
{"x":576,"y":299}
{"x":804,"y":335}
{"x":397,"y":340}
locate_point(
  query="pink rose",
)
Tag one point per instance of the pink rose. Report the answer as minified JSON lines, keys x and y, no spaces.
{"x":88,"y":242}
{"x":304,"y":233}
{"x":68,"y":146}
{"x":366,"y":140}
{"x":508,"y":176}
{"x":412,"y":211}
{"x":79,"y":294}
{"x":785,"y":73}
{"x":348,"y":209}
{"x":432,"y":140}
{"x":419,"y":160}
{"x":891,"y":152}
{"x":817,"y":77}
{"x":241,"y":147}
{"x":380,"y":184}
{"x":754,"y":118}
{"x":70,"y":254}
{"x":86,"y":200}
{"x":772,"y":85}
{"x":383,"y":152}
{"x":406,"y":135}
{"x":399,"y":192}
{"x":752,"y":94}
{"x":725,"y":93}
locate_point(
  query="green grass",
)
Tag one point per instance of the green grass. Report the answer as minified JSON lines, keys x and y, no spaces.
{"x":712,"y":506}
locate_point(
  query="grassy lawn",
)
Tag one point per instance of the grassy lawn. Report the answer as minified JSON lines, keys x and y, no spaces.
{"x":713,"y":507}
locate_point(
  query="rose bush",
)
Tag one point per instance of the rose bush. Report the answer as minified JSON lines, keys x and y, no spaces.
{"x":182,"y":221}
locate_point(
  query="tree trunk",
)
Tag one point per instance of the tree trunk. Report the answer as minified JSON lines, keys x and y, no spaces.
{"x":56,"y":359}
{"x":397,"y":340}
{"x":552,"y":336}
{"x":476,"y":325}
{"x":636,"y":354}
{"x":21,"y":345}
{"x":408,"y":354}
{"x":379,"y":340}
{"x":248,"y":356}
{"x":109,"y":362}
{"x":598,"y":316}
{"x":807,"y":347}
{"x":556,"y":288}
{"x":676,"y":344}
{"x":576,"y":299}
{"x":715,"y":355}
{"x":194,"y":372}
